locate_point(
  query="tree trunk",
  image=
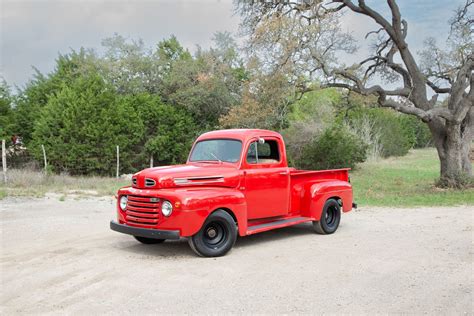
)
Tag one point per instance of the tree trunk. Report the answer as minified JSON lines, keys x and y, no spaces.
{"x":453,"y":143}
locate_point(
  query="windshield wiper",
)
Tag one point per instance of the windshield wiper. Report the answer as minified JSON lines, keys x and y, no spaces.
{"x":216,"y":157}
{"x":205,"y":161}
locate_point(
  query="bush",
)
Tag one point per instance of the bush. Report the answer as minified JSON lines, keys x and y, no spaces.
{"x":81,"y":125}
{"x":335,"y":148}
{"x":393,"y":134}
{"x":169,"y":131}
{"x":420,"y":132}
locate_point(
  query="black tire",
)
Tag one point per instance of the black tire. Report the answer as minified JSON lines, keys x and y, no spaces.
{"x":330,"y":218}
{"x":149,"y":241}
{"x":216,"y":236}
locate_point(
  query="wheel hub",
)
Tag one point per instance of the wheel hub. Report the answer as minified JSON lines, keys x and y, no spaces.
{"x":211,"y":232}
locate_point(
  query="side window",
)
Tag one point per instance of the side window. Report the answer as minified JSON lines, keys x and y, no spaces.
{"x":265,"y":153}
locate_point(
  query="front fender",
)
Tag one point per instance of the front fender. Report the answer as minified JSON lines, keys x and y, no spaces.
{"x":194,"y":206}
{"x":204,"y":201}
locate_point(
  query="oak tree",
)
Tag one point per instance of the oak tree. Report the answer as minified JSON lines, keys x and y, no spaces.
{"x":305,"y":38}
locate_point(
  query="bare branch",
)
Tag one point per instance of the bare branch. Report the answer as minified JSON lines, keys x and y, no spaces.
{"x":436,"y":88}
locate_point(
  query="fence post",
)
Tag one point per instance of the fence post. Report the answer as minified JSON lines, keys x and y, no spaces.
{"x":118,"y":161}
{"x":4,"y":161}
{"x":151,"y":161}
{"x":45,"y":160}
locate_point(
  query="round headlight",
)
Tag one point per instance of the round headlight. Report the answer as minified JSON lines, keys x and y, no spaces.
{"x":123,"y":202}
{"x":166,"y":208}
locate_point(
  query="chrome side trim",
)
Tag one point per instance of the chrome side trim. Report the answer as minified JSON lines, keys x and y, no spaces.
{"x":192,"y":180}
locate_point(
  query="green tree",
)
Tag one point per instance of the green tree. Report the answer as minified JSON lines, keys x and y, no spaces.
{"x":308,"y":118}
{"x":6,"y":111}
{"x":168,"y":131}
{"x":265,"y":102}
{"x":81,"y":125}
{"x":130,"y":66}
{"x":208,"y":85}
{"x":37,"y":92}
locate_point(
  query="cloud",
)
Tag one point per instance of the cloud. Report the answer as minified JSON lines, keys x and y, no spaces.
{"x":34,"y":32}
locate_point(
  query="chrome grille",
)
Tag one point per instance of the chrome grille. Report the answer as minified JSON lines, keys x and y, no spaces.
{"x":142,"y":210}
{"x":149,"y":182}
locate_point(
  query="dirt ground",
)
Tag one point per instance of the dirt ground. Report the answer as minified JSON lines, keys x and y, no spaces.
{"x":61,"y":257}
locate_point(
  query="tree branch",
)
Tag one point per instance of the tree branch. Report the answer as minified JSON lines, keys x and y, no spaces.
{"x":436,"y":88}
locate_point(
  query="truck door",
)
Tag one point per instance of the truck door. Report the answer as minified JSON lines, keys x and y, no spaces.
{"x":267,"y":179}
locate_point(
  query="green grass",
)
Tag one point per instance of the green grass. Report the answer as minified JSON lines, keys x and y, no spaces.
{"x":405,"y":182}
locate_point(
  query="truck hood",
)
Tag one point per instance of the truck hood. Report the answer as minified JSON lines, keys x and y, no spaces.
{"x":188,"y":175}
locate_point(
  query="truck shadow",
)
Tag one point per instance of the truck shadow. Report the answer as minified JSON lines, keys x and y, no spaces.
{"x":180,"y":248}
{"x":168,"y":249}
{"x":274,"y":235}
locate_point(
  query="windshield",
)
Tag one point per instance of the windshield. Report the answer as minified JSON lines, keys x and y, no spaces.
{"x":227,"y":150}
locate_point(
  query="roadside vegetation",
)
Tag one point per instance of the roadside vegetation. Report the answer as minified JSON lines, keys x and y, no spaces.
{"x":27,"y":183}
{"x":392,"y":182}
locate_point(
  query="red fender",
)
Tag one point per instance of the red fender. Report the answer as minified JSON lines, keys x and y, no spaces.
{"x":322,"y":191}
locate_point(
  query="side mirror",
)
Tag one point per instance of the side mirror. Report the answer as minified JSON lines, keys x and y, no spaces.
{"x":261,"y":141}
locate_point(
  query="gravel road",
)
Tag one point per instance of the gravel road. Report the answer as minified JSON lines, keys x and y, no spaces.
{"x":61,"y":257}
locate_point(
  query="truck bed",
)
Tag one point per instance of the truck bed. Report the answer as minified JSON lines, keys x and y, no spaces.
{"x":340,"y":174}
{"x":305,"y":185}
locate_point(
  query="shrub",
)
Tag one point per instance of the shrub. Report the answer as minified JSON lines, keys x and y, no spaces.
{"x":335,"y":148}
{"x":393,"y":134}
{"x":308,"y":118}
{"x":81,"y":125}
{"x":169,"y":131}
{"x":420,"y":132}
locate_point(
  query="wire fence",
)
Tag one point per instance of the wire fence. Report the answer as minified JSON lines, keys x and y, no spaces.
{"x":17,"y":156}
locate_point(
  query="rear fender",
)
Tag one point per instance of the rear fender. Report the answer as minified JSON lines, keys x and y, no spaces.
{"x":323,"y":191}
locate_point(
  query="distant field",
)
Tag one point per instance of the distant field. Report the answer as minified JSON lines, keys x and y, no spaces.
{"x":405,"y":181}
{"x":394,"y":182}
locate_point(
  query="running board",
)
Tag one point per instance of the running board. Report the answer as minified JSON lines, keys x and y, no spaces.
{"x":277,"y":224}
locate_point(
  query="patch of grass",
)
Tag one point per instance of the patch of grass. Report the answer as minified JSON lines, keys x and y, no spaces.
{"x":404,"y":182}
{"x":3,"y":194}
{"x":37,"y":184}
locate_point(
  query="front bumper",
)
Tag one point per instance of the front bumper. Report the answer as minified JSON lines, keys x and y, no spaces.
{"x":144,"y":232}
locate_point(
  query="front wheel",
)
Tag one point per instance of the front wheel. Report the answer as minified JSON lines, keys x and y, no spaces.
{"x":148,"y":241}
{"x":330,"y":218}
{"x":216,"y":237}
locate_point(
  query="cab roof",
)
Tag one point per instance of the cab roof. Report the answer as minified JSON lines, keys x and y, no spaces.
{"x":240,"y":134}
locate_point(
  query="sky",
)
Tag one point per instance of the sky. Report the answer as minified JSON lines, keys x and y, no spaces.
{"x":34,"y":32}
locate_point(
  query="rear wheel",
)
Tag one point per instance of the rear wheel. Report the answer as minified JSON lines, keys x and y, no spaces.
{"x":216,"y":237}
{"x":330,"y":218}
{"x":149,"y":241}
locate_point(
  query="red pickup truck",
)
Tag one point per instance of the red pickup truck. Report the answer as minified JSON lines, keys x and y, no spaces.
{"x":235,"y":182}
